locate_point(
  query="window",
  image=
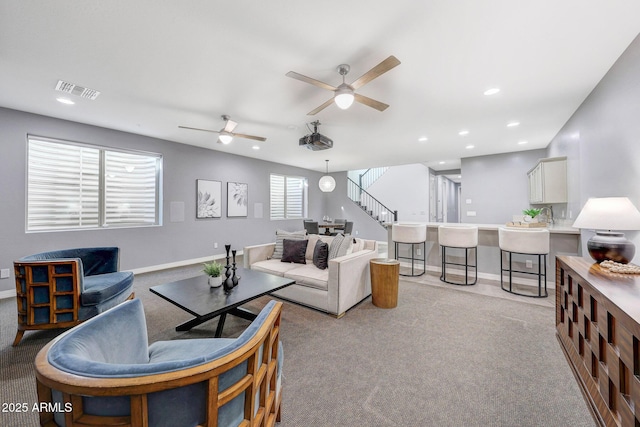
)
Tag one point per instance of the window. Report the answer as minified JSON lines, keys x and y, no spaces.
{"x":78,"y":186}
{"x":288,"y":197}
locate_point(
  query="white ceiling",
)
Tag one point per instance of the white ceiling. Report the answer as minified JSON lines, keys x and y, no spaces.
{"x":160,"y":64}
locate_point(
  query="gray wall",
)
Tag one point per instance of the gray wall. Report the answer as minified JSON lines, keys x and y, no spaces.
{"x":602,"y":139}
{"x":405,"y":189}
{"x":150,"y":246}
{"x":497,"y":186}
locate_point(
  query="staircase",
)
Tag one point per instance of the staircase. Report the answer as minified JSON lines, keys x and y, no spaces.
{"x":372,"y":206}
{"x":370,"y":176}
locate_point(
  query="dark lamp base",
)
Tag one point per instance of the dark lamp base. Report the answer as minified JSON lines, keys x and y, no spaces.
{"x":608,"y":245}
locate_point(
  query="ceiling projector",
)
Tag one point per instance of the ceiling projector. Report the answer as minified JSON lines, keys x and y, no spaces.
{"x":315,"y":141}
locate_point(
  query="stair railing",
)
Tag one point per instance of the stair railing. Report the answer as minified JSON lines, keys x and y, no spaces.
{"x":372,"y":206}
{"x":370,"y":176}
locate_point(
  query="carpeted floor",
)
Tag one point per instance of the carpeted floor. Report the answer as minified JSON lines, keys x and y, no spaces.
{"x":446,"y":356}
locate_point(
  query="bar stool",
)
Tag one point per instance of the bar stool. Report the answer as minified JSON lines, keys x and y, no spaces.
{"x":459,"y":237}
{"x":411,"y":234}
{"x":524,"y":242}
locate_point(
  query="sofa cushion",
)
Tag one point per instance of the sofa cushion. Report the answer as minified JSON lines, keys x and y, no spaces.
{"x":102,"y":287}
{"x":281,"y":235}
{"x":294,"y":251}
{"x":309,"y":275}
{"x":339,"y":246}
{"x":321,"y":255}
{"x":273,"y":266}
{"x":356,"y":246}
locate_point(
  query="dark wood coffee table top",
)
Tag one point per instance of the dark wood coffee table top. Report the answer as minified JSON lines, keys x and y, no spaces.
{"x":195,"y":296}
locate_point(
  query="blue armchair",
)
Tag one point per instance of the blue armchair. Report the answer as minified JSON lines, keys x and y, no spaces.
{"x":59,"y":289}
{"x":103,"y":372}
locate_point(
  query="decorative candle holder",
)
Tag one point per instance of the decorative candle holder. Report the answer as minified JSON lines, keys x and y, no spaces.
{"x":227,"y":283}
{"x":234,"y":279}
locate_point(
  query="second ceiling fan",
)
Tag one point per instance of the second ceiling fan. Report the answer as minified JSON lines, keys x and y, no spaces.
{"x":226,"y":134}
{"x":345,"y":93}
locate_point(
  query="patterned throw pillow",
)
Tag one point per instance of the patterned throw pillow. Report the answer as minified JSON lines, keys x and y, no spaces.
{"x":339,"y":246}
{"x":294,"y":251}
{"x":321,"y":255}
{"x":291,"y":235}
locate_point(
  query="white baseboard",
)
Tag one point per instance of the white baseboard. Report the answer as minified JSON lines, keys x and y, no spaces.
{"x":10,"y":293}
{"x":176,"y":264}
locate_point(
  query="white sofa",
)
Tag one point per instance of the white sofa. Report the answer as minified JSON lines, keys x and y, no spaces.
{"x":334,"y":290}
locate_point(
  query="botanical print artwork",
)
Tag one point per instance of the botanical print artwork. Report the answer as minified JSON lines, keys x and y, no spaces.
{"x":208,"y":203}
{"x":237,"y":194}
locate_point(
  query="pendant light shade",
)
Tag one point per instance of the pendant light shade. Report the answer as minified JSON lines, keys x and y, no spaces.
{"x":327,"y":184}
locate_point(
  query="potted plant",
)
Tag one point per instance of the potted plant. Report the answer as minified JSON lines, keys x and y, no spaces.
{"x":531,"y":214}
{"x":213,"y":270}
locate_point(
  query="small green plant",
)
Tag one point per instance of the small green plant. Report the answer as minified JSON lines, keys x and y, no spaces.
{"x":532,"y":212}
{"x":212,"y":269}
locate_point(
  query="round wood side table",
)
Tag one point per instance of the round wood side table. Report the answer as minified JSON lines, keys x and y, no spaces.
{"x":385,"y":274}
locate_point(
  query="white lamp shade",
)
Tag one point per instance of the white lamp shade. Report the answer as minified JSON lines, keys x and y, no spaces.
{"x":344,"y":96}
{"x":225,"y":138}
{"x":608,"y":213}
{"x":327,"y":183}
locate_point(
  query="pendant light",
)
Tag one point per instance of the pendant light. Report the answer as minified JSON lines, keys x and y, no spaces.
{"x":327,"y":184}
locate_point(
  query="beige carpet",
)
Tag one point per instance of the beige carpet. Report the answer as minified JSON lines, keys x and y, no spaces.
{"x":444,"y":357}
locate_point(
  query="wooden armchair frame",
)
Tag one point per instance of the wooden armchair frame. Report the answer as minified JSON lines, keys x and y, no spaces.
{"x":261,"y":372}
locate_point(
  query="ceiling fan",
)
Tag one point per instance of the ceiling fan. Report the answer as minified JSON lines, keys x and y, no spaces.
{"x":226,"y":134}
{"x":345,"y":93}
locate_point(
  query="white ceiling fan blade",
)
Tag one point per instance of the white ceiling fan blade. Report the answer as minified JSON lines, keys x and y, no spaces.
{"x":376,"y":71}
{"x":230,"y":125}
{"x":320,"y":108}
{"x":380,"y":106}
{"x":309,"y":80}
{"x":256,"y":138}
{"x":204,"y":130}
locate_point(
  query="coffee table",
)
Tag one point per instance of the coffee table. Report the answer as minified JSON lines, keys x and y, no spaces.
{"x":196,"y":297}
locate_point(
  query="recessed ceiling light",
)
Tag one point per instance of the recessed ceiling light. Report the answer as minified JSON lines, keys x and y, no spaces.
{"x":522,"y":142}
{"x":492,"y":91}
{"x":441,"y":163}
{"x":423,"y":139}
{"x":463,"y":132}
{"x":256,"y":147}
{"x":513,"y":124}
{"x":66,"y":101}
{"x":469,"y":147}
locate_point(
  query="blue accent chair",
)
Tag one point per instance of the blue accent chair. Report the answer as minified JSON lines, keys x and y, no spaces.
{"x":62,"y":288}
{"x":103,"y":372}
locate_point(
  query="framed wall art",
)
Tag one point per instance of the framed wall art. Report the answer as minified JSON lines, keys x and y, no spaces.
{"x":237,"y":195}
{"x":208,"y":198}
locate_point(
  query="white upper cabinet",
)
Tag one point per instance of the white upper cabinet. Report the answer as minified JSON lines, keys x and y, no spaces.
{"x":548,"y":181}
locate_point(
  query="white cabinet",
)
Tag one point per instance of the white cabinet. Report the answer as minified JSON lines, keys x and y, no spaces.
{"x":548,"y":181}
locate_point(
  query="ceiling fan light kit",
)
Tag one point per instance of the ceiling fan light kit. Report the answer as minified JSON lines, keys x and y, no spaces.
{"x":344,"y":95}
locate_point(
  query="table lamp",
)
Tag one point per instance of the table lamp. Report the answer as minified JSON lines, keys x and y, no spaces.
{"x":606,"y":216}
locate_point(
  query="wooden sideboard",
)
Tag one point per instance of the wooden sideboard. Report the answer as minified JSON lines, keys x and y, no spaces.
{"x":598,"y":326}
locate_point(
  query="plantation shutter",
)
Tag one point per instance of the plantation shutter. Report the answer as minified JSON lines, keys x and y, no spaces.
{"x":63,"y":186}
{"x":295,"y":197}
{"x":277,"y":196}
{"x":76,"y":186}
{"x":288,"y":197}
{"x":130,"y":189}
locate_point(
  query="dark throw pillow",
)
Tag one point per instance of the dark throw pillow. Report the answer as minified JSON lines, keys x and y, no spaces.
{"x":321,"y":255}
{"x":294,"y":251}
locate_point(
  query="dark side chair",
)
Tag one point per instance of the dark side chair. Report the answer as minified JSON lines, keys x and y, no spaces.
{"x":62,"y":288}
{"x":311,"y":227}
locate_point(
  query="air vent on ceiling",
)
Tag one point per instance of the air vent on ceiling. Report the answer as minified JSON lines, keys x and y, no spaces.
{"x":80,"y":91}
